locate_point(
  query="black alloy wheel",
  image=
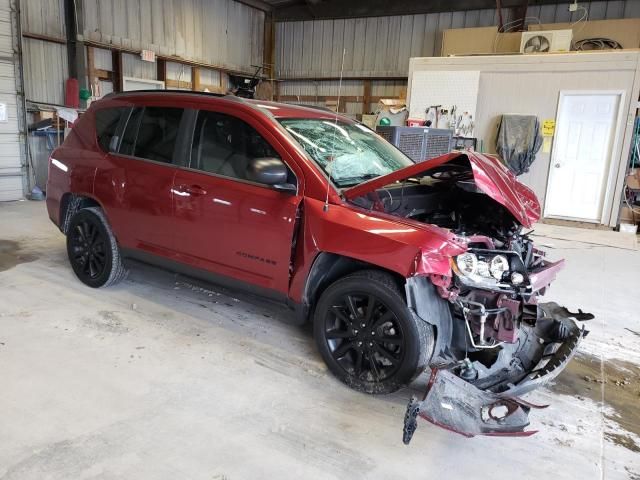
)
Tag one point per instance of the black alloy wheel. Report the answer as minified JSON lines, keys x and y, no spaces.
{"x":364,"y":337}
{"x":367,"y":335}
{"x":88,"y":248}
{"x":92,"y":249}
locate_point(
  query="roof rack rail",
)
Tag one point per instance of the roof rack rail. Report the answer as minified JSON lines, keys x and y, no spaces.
{"x":185,"y":92}
{"x":315,"y":107}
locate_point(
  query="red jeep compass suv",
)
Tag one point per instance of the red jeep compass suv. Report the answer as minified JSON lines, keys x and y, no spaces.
{"x":399,"y":265}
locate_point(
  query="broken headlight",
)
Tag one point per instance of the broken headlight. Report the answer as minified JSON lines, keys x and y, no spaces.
{"x":498,"y":266}
{"x":489,"y":269}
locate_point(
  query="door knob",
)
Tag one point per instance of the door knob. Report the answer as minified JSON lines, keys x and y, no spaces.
{"x":557,"y":165}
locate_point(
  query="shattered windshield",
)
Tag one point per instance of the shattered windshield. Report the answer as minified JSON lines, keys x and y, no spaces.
{"x":348,"y":153}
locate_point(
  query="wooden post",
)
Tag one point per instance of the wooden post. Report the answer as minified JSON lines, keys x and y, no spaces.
{"x":342,"y":105}
{"x":268,"y":53}
{"x":91,"y":70}
{"x":161,"y":70}
{"x":116,"y":61}
{"x":366,"y":99}
{"x":195,"y":79}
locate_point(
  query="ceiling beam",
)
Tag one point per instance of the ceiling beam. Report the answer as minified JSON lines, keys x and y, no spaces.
{"x":326,"y":9}
{"x":259,"y":4}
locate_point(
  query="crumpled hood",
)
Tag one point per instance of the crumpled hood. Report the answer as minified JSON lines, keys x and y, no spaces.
{"x":490,"y":176}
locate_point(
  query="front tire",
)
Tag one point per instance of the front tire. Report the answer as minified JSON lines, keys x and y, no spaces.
{"x":367,"y":335}
{"x":92,"y":249}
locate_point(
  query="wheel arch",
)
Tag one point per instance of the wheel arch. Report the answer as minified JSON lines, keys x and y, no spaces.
{"x":423,"y":299}
{"x":327,"y":268}
{"x":70,"y":204}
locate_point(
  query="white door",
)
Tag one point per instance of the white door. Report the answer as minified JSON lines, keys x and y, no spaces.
{"x":582,"y":150}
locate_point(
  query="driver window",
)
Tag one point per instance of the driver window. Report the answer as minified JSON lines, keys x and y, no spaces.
{"x":223,"y":145}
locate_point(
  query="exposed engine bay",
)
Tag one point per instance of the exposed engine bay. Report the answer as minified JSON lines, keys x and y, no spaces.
{"x":494,"y":341}
{"x":446,"y":196}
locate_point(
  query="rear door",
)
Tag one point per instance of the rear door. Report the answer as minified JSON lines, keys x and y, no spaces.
{"x":136,"y":181}
{"x":225,"y":223}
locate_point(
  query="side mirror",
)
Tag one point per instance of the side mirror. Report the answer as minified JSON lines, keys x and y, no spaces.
{"x":286,"y":187}
{"x":270,"y":171}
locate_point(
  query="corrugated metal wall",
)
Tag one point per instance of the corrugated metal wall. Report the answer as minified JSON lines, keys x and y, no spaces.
{"x":133,"y":66}
{"x":45,"y":71}
{"x":45,"y":63}
{"x":214,"y":78}
{"x":223,"y":33}
{"x":382,"y":46}
{"x":44,"y":17}
{"x":350,"y":88}
{"x":11,"y":184}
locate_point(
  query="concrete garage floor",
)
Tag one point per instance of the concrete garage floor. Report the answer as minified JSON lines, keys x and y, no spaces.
{"x":154,"y":378}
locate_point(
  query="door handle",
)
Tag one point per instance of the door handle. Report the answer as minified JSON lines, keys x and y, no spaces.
{"x":557,"y":165}
{"x":192,"y":189}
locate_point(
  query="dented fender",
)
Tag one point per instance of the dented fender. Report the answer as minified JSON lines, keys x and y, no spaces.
{"x":406,"y":247}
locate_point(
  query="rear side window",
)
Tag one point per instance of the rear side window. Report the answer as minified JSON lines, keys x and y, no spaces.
{"x":107,"y":120}
{"x":151,"y":133}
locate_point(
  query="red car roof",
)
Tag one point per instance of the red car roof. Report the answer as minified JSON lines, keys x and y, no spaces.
{"x":275,"y":109}
{"x":287,"y":110}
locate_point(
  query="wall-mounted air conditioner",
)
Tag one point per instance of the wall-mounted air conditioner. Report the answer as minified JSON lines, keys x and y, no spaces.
{"x":546,"y":41}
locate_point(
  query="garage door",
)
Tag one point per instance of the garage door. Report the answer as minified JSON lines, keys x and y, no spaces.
{"x":10,"y":168}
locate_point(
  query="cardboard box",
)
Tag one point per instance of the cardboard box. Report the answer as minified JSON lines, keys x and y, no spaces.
{"x":370,"y":121}
{"x":394,"y":109}
{"x":481,"y":40}
{"x":42,"y":115}
{"x":332,"y":105}
{"x":628,"y":228}
{"x":627,"y":215}
{"x":633,"y":181}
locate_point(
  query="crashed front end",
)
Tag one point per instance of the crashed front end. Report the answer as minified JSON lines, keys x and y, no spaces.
{"x":495,"y":341}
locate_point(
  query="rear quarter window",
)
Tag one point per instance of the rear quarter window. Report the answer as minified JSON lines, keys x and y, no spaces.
{"x":107,"y":120}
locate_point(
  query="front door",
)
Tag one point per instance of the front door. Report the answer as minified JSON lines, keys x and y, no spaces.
{"x":581,"y":158}
{"x":225,"y":223}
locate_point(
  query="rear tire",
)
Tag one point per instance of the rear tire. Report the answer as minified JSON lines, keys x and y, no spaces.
{"x":367,"y":335}
{"x":93,"y":250}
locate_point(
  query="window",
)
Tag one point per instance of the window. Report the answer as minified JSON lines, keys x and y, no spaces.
{"x":107,"y":120}
{"x":347,"y":152}
{"x":151,"y":133}
{"x":224,"y":145}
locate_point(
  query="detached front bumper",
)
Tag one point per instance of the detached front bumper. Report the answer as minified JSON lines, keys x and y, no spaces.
{"x":460,"y":406}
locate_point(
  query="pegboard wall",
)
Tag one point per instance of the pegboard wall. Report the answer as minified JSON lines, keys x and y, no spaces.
{"x":446,"y":88}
